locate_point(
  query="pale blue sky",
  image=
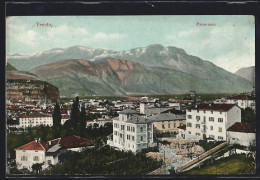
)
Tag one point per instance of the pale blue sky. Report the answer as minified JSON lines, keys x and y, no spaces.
{"x":229,"y":44}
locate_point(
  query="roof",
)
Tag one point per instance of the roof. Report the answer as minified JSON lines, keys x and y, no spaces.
{"x":128,"y":111}
{"x":138,"y":120}
{"x":34,"y":145}
{"x":65,"y":142}
{"x":34,"y":116}
{"x":242,"y":97}
{"x":157,"y":110}
{"x":173,"y":111}
{"x":166,"y":117}
{"x":74,"y":141}
{"x":213,"y":107}
{"x":65,"y":116}
{"x":183,"y":126}
{"x":54,"y":148}
{"x":242,"y":127}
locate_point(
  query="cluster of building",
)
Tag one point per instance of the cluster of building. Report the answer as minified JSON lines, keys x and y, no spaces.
{"x":220,"y":121}
{"x":136,"y":124}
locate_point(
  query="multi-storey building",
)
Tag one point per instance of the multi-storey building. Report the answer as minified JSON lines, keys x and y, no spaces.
{"x":33,"y":120}
{"x":168,"y":122}
{"x":131,"y":131}
{"x":211,"y":120}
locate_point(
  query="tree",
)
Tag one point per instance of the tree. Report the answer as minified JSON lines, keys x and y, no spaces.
{"x":56,"y":116}
{"x":37,"y":167}
{"x":82,"y":121}
{"x":248,"y":115}
{"x":74,"y":115}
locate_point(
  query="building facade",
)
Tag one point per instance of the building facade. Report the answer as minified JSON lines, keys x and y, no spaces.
{"x":211,"y":120}
{"x":33,"y":120}
{"x":131,"y":132}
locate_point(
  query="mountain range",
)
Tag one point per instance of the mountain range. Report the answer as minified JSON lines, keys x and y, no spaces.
{"x":247,"y":73}
{"x":150,"y":70}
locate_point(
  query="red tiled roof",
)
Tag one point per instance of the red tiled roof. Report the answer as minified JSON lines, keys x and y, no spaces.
{"x":182,"y":127}
{"x":213,"y":107}
{"x":34,"y":146}
{"x":34,"y":116}
{"x":74,"y":141}
{"x":242,"y":97}
{"x":65,"y":116}
{"x":242,"y":127}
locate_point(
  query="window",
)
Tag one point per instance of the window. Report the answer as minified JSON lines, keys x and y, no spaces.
{"x":174,"y":125}
{"x":115,"y":133}
{"x":189,"y":125}
{"x":128,"y":128}
{"x":169,"y":125}
{"x":197,"y":126}
{"x":220,"y":129}
{"x":36,"y":158}
{"x":189,"y":132}
{"x":220,"y":119}
{"x":198,"y":118}
{"x":242,"y":104}
{"x":197,"y":134}
{"x":133,"y":138}
{"x":141,"y":129}
{"x":49,"y":162}
{"x":163,"y":126}
{"x":211,"y":128}
{"x":220,"y":138}
{"x":212,"y":136}
{"x":211,"y":112}
{"x":189,"y":116}
{"x":211,"y":119}
{"x":204,"y":111}
{"x":122,"y":127}
{"x":133,"y":129}
{"x":24,"y":158}
{"x":220,"y":112}
{"x":198,"y":111}
{"x":141,"y":138}
{"x":121,"y":135}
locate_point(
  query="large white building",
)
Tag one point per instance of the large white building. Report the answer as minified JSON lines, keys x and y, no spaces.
{"x":131,"y":132}
{"x":33,"y":120}
{"x":211,"y":120}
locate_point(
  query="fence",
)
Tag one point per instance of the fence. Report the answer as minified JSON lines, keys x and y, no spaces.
{"x":201,"y":157}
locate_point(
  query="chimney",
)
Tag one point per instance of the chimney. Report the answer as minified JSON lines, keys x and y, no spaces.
{"x":49,"y":142}
{"x":39,"y":139}
{"x":35,"y":139}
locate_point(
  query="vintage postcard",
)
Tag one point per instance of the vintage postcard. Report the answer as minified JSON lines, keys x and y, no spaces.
{"x":130,"y":95}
